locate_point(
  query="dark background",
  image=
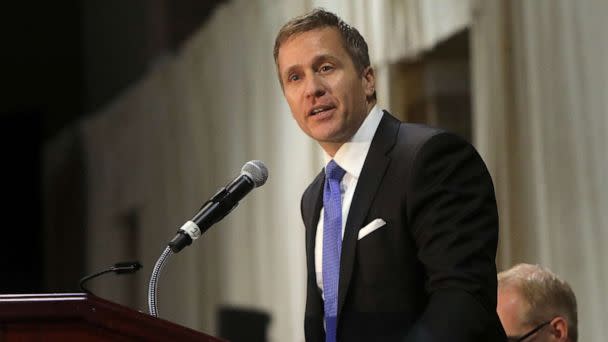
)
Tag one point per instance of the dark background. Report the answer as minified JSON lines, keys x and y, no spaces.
{"x":61,"y":61}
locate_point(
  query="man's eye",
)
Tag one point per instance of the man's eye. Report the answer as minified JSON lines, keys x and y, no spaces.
{"x":293,"y":77}
{"x":326,"y":68}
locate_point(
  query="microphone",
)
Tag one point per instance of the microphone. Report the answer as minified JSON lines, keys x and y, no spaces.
{"x":253,"y":174}
{"x":124,"y":267}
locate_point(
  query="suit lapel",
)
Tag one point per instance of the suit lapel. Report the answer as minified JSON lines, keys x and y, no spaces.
{"x":311,"y":218}
{"x":370,"y":178}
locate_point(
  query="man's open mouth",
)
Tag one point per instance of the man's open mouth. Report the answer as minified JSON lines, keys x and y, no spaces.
{"x":320,"y":109}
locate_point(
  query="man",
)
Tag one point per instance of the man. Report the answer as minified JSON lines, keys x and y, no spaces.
{"x":401,"y":234}
{"x":535,"y":305}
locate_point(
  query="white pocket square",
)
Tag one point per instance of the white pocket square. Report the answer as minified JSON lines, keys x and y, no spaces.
{"x":375,"y":224}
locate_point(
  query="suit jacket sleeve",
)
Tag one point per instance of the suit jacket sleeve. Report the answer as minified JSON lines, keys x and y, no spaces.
{"x":453,"y":218}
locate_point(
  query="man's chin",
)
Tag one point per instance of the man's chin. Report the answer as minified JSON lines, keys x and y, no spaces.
{"x":329,"y":143}
{"x":328,"y":138}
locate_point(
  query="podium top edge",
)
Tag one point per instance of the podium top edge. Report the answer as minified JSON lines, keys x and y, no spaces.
{"x":37,"y":297}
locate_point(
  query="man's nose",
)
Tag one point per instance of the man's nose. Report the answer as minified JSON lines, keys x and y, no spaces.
{"x":315,"y":86}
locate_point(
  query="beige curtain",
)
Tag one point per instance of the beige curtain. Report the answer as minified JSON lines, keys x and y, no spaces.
{"x":171,"y":141}
{"x":541,"y":110}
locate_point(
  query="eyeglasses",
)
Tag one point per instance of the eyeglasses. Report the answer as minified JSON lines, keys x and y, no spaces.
{"x":528,"y":334}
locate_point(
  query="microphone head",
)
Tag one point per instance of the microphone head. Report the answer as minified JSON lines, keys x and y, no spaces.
{"x":256,"y":171}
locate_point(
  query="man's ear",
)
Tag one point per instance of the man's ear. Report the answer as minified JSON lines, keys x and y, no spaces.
{"x":369,"y":81}
{"x":559,"y":328}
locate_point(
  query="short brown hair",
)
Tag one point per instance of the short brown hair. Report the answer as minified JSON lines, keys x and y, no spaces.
{"x":545,"y":293}
{"x":318,"y":18}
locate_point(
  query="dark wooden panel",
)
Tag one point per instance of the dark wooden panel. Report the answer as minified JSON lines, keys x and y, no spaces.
{"x":80,"y":317}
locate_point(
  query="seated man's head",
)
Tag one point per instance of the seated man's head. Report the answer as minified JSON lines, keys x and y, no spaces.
{"x":535,"y":305}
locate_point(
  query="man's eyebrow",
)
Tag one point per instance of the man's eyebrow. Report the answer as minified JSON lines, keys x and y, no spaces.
{"x":291,"y":69}
{"x":325,"y":57}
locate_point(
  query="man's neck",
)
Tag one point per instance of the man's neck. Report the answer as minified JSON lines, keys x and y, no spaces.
{"x":331,"y":148}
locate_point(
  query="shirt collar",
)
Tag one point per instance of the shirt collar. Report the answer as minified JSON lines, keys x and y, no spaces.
{"x":351,"y":155}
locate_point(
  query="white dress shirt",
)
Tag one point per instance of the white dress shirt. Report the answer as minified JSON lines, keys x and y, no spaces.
{"x":350,"y":157}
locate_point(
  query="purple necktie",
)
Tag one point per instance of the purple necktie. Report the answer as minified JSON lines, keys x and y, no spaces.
{"x":332,"y":245}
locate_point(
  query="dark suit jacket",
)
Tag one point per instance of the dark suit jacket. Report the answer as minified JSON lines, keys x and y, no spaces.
{"x":429,"y":274}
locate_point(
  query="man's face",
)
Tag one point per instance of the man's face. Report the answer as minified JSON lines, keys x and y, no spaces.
{"x":326,"y":94}
{"x":511,"y":308}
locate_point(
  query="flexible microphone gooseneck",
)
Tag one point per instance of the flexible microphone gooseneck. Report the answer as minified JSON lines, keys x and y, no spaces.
{"x":253,"y":174}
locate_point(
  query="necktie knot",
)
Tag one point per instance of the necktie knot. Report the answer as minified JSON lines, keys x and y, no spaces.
{"x":333,"y":171}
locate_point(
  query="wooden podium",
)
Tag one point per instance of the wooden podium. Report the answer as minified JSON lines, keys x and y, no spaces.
{"x":81,"y":317}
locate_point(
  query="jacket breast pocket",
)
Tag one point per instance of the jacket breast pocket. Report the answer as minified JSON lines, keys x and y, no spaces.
{"x":376,"y":256}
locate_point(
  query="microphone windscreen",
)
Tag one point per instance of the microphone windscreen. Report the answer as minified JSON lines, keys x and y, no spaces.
{"x":256,"y":171}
